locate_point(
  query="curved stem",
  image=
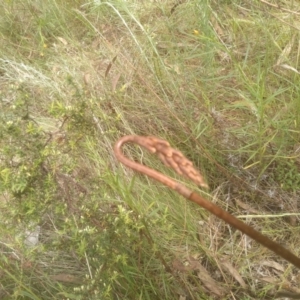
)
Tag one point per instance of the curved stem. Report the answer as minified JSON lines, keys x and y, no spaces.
{"x":183,"y":166}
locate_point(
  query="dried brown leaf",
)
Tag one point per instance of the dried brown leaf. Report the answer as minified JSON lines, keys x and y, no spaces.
{"x":273,"y":264}
{"x":233,"y":271}
{"x":212,"y":285}
{"x":246,"y":207}
{"x":270,"y":279}
{"x":62,"y":40}
{"x":187,"y":267}
{"x":115,"y":81}
{"x":208,"y":282}
{"x":294,"y":207}
{"x":109,"y":66}
{"x":86,"y":78}
{"x":63,"y":277}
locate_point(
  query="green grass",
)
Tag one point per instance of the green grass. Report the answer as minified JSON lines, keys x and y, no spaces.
{"x":218,"y":79}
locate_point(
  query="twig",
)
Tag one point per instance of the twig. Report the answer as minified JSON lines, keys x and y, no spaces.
{"x":88,"y":264}
{"x":280,"y":7}
{"x":176,"y":160}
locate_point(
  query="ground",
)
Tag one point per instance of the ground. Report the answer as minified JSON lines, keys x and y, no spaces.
{"x":219,"y":80}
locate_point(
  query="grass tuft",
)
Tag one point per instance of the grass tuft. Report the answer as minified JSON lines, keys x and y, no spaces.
{"x":218,"y":79}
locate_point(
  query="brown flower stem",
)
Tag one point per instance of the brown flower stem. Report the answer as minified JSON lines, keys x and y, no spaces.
{"x":175,"y":159}
{"x":246,"y":229}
